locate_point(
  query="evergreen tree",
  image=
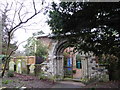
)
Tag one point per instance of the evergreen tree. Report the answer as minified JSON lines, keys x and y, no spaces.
{"x":88,"y":26}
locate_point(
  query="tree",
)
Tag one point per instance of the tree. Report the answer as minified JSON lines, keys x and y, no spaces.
{"x":19,"y":53}
{"x":15,"y":17}
{"x":34,"y":47}
{"x":42,"y":50}
{"x":94,"y":23}
{"x":30,"y":47}
{"x":4,"y":37}
{"x":88,"y":26}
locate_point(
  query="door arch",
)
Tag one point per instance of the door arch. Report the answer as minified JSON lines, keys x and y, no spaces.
{"x":59,"y":59}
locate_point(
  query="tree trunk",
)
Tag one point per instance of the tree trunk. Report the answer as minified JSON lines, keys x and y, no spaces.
{"x":114,"y":71}
{"x":110,"y":73}
{"x":4,"y":68}
{"x":7,"y":53}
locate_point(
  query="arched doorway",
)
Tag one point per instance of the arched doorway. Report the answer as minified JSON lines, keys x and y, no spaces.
{"x":66,"y":67}
{"x":58,"y":61}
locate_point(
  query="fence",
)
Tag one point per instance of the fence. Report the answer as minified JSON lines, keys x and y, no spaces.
{"x":29,"y":59}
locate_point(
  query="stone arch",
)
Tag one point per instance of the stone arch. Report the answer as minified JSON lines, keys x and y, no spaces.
{"x":58,"y":60}
{"x":55,"y":59}
{"x":59,"y":48}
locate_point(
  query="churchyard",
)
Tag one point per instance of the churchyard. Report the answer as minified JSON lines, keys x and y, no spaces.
{"x":33,"y":72}
{"x":21,"y":73}
{"x":82,"y":51}
{"x":24,"y":73}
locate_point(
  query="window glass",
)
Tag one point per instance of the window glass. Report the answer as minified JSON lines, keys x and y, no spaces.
{"x":78,"y":61}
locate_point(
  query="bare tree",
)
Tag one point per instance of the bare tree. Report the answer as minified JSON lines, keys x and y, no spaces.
{"x":15,"y":16}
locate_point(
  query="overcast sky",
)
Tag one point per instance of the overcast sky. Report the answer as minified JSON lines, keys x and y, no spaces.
{"x":22,"y":35}
{"x":40,"y":20}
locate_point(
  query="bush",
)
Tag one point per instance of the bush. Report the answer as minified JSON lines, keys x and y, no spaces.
{"x":6,"y":81}
{"x":37,"y":69}
{"x":42,"y":76}
{"x":74,"y":71}
{"x":88,"y":80}
{"x":24,"y":71}
{"x":104,"y":78}
{"x":10,"y":74}
{"x":84,"y":80}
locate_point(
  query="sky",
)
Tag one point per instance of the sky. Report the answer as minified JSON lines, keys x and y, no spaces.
{"x":22,"y":35}
{"x":38,"y":23}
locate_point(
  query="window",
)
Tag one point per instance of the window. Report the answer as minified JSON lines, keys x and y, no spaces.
{"x":78,"y":61}
{"x":78,"y":64}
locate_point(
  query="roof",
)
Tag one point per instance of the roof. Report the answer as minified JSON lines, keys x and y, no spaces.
{"x":43,"y":35}
{"x":46,"y":35}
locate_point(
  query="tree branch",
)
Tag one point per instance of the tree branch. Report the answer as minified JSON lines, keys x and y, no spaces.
{"x":34,"y":7}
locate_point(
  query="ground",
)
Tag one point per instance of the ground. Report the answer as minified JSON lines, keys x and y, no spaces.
{"x":25,"y":81}
{"x":33,"y":82}
{"x":68,"y":84}
{"x":109,"y":84}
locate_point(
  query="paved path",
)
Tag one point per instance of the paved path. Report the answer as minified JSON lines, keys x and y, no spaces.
{"x":68,"y":84}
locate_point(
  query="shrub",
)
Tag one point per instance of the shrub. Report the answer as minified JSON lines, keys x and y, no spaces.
{"x":6,"y":81}
{"x":88,"y":80}
{"x":74,"y":71}
{"x":10,"y":74}
{"x":84,"y":80}
{"x":42,"y":76}
{"x":37,"y":69}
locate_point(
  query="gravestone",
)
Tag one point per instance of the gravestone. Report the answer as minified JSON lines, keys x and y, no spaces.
{"x":19,"y":67}
{"x":11,"y":65}
{"x":32,"y":67}
{"x":24,"y":66}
